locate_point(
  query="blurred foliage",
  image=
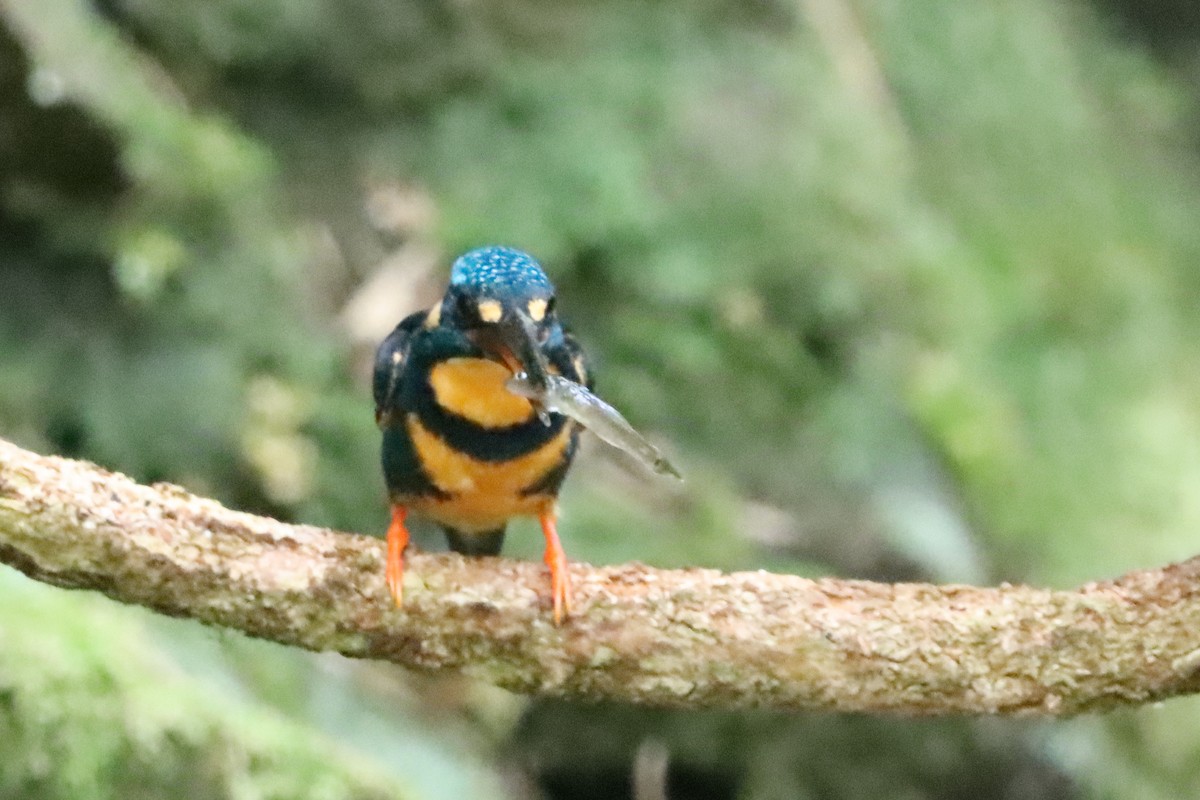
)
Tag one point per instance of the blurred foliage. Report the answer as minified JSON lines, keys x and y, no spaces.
{"x":908,"y":289}
{"x":90,"y":709}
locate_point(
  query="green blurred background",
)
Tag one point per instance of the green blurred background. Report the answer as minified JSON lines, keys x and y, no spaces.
{"x":908,"y":289}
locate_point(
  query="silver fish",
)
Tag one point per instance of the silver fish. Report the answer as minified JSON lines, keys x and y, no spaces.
{"x":571,"y":399}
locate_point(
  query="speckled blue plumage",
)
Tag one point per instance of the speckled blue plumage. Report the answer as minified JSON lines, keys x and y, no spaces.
{"x":497,"y":271}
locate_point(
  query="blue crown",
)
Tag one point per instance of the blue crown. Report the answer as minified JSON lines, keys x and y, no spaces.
{"x":489,"y":270}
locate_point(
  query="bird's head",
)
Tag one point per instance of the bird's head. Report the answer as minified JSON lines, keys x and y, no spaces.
{"x":502,"y":300}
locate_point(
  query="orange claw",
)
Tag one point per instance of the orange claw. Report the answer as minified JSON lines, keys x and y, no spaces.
{"x":397,"y":540}
{"x":556,"y":560}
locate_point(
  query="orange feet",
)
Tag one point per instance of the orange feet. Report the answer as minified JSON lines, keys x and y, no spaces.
{"x":397,"y":540}
{"x":556,"y":560}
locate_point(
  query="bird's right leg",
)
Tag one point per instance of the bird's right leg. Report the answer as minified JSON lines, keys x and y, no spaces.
{"x":397,"y":541}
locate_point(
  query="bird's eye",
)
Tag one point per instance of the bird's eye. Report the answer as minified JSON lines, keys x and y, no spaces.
{"x":466,"y":307}
{"x":550,"y":306}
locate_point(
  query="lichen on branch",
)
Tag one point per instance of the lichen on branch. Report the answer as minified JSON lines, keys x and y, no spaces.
{"x":692,"y":638}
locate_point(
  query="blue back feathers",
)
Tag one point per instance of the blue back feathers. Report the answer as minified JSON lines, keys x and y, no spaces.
{"x":495,"y":271}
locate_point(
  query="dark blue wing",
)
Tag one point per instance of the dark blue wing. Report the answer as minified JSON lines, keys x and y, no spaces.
{"x":564,"y":352}
{"x":390,"y":360}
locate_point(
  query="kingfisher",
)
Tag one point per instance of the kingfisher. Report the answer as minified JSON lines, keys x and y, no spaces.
{"x":459,"y":448}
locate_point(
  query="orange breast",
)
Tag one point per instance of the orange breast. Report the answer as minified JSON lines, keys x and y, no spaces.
{"x":473,"y":388}
{"x":483,"y":494}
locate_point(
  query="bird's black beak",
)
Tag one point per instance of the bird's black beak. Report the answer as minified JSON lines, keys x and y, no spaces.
{"x":515,"y":339}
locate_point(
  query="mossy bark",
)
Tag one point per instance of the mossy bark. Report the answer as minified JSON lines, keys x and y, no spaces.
{"x":687,"y":638}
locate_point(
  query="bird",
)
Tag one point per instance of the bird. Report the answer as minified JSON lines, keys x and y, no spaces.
{"x":458,"y":447}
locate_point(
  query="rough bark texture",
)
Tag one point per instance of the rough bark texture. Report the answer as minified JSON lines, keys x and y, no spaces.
{"x":695,"y":638}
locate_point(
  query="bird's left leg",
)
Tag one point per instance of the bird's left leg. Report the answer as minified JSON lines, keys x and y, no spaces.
{"x":556,"y":560}
{"x":397,"y":541}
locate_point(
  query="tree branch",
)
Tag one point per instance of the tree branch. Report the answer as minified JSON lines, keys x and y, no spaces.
{"x":691,"y":638}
